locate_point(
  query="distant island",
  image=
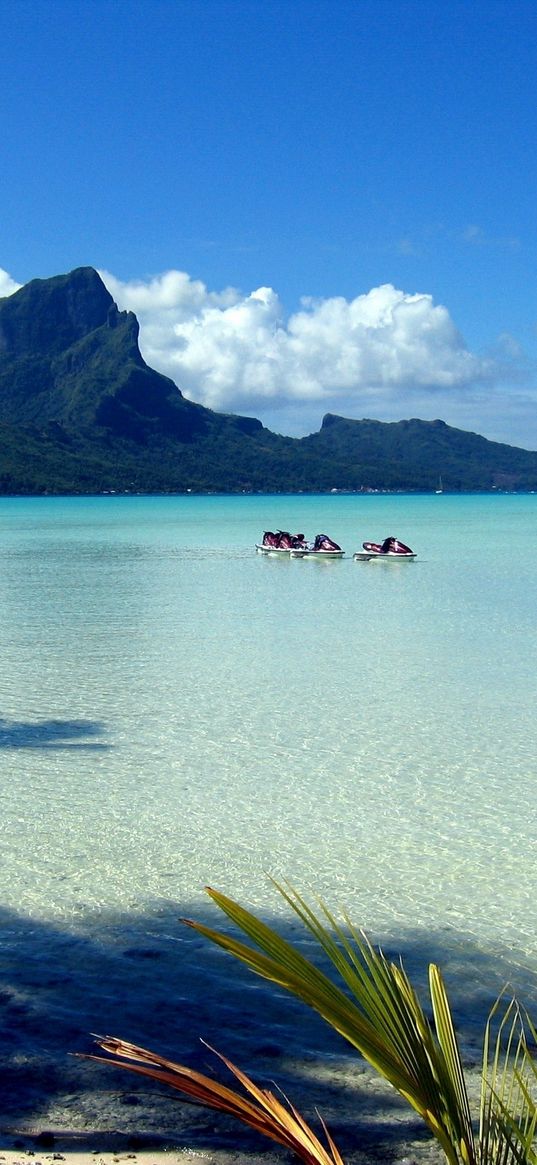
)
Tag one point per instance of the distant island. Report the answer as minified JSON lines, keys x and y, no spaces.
{"x":82,"y":413}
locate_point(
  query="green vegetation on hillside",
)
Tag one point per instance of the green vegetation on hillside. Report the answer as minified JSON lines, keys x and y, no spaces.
{"x":81,"y":412}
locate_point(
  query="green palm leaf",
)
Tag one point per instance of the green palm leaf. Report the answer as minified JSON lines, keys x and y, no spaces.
{"x":373,"y":1005}
{"x":508,"y":1111}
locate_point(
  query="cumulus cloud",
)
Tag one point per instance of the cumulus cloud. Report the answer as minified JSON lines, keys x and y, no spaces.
{"x":235,"y":352}
{"x":7,"y":284}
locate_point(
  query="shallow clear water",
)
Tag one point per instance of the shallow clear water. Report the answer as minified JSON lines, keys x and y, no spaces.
{"x":178,"y":710}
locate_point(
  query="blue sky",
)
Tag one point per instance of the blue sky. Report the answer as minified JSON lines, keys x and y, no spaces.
{"x":311,"y":206}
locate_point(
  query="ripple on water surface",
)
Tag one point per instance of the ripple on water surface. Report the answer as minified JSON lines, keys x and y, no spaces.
{"x":179,"y":711}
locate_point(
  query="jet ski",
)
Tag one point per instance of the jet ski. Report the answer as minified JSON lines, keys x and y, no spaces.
{"x":324,"y":547}
{"x":391,"y":548}
{"x":282,"y":543}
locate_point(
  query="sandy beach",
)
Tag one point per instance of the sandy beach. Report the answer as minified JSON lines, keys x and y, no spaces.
{"x":167,"y":989}
{"x":148,"y":1126}
{"x":382,"y":1137}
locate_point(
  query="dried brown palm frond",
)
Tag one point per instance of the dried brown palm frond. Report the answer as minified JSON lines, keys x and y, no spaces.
{"x":264,"y":1112}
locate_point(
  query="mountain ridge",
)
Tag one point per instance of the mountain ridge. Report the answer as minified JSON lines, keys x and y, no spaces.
{"x":82,"y":412}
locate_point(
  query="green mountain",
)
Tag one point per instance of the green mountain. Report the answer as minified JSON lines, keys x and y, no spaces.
{"x":81,"y":412}
{"x":419,"y":453}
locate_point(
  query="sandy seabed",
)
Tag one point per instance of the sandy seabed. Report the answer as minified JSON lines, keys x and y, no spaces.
{"x":57,"y":987}
{"x":144,"y":1125}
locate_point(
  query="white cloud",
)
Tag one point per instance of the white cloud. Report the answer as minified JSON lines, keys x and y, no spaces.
{"x":235,"y":352}
{"x":477,"y":237}
{"x":405,"y":246}
{"x":386,"y":354}
{"x":7,"y":284}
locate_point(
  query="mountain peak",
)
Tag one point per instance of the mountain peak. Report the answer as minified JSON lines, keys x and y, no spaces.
{"x":81,"y":411}
{"x":49,"y":315}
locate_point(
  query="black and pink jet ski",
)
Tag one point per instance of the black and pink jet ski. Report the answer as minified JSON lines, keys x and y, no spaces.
{"x":283,"y":543}
{"x":297,"y":546}
{"x":391,"y":548}
{"x":325,"y":547}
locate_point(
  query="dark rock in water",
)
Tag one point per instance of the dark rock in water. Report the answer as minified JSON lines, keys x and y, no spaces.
{"x":142,"y":953}
{"x":45,"y":1140}
{"x":270,"y":1051}
{"x":138,"y":1142}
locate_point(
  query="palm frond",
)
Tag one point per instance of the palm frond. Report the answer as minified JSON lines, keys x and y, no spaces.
{"x":453,"y":1081}
{"x":371,"y":1002}
{"x":288,"y":968}
{"x":264,"y":1112}
{"x":375,"y":1008}
{"x":508,"y":1110}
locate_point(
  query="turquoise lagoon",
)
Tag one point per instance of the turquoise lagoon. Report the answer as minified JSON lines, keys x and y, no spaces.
{"x":178,"y":710}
